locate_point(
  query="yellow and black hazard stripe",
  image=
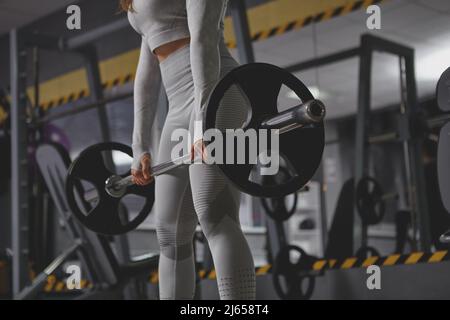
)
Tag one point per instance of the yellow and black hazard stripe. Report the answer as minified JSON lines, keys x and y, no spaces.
{"x":54,"y":285}
{"x":349,"y":7}
{"x":391,"y":260}
{"x":344,"y":264}
{"x":119,"y":81}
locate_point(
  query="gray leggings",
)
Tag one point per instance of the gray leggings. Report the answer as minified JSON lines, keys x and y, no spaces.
{"x":199,"y":193}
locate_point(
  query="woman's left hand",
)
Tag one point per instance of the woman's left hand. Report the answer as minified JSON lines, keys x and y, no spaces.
{"x":198,"y":150}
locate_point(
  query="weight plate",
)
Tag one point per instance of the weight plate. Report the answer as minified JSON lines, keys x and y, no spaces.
{"x":443,"y":91}
{"x":276,"y":208}
{"x":103,"y":217}
{"x":301,"y":148}
{"x":369,"y":201}
{"x":294,"y":283}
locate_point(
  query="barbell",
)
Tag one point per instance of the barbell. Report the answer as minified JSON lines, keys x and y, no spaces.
{"x":301,"y":143}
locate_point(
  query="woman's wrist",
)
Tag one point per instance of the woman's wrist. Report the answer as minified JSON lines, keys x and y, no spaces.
{"x":139,"y":151}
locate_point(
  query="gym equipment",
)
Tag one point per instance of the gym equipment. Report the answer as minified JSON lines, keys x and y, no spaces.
{"x":340,"y":235}
{"x":301,"y":126}
{"x":295,"y":274}
{"x":370,"y":200}
{"x":369,"y":203}
{"x":276,"y":207}
{"x":296,"y":284}
{"x":307,"y":224}
{"x":261,"y":84}
{"x":402,"y":225}
{"x":443,"y":91}
{"x":111,"y":273}
{"x":104,"y":216}
{"x":443,"y":160}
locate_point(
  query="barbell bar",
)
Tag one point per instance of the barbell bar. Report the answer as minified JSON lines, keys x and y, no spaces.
{"x":304,"y":114}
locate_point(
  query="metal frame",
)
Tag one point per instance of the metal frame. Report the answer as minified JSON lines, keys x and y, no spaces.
{"x":370,"y":44}
{"x":20,"y":182}
{"x":242,"y":31}
{"x":19,"y":162}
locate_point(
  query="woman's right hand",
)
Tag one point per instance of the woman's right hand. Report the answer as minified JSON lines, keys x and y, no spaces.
{"x":143,"y":176}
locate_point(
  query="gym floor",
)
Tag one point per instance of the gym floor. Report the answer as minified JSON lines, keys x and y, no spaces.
{"x":370,"y":221}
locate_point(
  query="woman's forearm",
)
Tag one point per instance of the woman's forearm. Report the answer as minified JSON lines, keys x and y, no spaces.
{"x":147,"y":85}
{"x":204,"y":21}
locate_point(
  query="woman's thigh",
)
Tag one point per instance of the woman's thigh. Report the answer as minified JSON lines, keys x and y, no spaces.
{"x":174,"y":209}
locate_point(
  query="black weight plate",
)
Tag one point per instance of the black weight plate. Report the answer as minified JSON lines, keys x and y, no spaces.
{"x":294,"y":287}
{"x":276,"y":207}
{"x":443,"y":167}
{"x":301,"y":148}
{"x":369,"y":201}
{"x":103,"y":218}
{"x":443,"y":91}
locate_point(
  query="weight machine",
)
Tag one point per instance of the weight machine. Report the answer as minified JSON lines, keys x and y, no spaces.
{"x":407,"y":124}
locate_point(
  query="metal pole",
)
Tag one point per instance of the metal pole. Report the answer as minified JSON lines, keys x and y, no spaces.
{"x":90,"y":36}
{"x":96,"y":92}
{"x":81,"y":108}
{"x":19,"y":163}
{"x":415,"y":156}
{"x":324,"y":60}
{"x":361,"y":134}
{"x":242,"y":31}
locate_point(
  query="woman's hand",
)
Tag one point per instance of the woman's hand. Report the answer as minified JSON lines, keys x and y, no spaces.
{"x":144,"y":176}
{"x":198,"y":150}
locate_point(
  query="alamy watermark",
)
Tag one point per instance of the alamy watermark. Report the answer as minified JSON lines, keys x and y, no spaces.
{"x":373,"y":281}
{"x":241,"y":147}
{"x":73,"y":21}
{"x":374,"y":20}
{"x":73,"y":281}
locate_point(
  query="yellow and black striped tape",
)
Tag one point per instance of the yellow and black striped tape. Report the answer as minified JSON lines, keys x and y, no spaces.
{"x":391,"y":260}
{"x":119,"y":81}
{"x":55,"y":285}
{"x":348,"y":263}
{"x":306,"y":21}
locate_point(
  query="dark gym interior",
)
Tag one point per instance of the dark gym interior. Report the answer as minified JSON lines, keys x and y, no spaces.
{"x":378,"y":196}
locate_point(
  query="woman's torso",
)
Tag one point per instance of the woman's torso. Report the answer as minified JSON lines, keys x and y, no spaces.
{"x":159,"y":21}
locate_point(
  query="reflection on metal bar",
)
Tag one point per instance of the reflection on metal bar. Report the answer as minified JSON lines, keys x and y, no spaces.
{"x":385,"y":137}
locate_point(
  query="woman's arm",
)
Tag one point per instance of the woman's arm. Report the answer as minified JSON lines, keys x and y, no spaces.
{"x":147,"y":85}
{"x":204,"y":21}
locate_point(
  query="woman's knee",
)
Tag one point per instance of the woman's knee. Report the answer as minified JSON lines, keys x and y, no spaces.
{"x":175,"y":242}
{"x":211,"y":212}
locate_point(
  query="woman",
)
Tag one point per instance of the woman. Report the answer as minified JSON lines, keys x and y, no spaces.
{"x":183,"y":45}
